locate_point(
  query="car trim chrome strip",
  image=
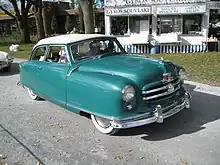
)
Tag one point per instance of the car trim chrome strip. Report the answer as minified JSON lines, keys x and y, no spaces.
{"x":161,"y":94}
{"x":161,"y":88}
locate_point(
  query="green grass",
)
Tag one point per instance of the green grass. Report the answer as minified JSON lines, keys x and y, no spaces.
{"x":24,"y":50}
{"x":200,"y":67}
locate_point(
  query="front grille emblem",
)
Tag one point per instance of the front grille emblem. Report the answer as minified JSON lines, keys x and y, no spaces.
{"x":167,"y":77}
{"x":170,"y":88}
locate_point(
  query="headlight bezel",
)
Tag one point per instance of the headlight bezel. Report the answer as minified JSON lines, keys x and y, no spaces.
{"x":127,"y":95}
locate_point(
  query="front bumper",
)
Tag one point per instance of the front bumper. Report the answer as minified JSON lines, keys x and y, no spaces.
{"x":157,"y":116}
{"x":6,"y":63}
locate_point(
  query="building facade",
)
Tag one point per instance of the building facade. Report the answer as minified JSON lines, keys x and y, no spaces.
{"x":166,"y":21}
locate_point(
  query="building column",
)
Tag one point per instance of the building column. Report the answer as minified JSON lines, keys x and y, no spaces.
{"x":205,"y":23}
{"x":107,"y":25}
{"x":154,"y":21}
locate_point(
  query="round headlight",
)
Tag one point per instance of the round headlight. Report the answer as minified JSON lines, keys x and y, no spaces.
{"x":128,"y":93}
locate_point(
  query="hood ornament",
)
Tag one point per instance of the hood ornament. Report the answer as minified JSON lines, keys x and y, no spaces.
{"x":167,"y":77}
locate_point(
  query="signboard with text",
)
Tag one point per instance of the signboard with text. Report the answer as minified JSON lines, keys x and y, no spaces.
{"x":189,"y":9}
{"x":128,"y":11}
{"x":149,"y":2}
{"x":213,"y":5}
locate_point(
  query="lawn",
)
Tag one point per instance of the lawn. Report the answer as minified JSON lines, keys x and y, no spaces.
{"x":200,"y":67}
{"x":24,"y":50}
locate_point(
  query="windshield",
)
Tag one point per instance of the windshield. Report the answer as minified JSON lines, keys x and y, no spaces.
{"x":96,"y":46}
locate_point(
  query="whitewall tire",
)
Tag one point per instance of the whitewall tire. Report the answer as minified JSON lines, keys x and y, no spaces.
{"x":103,"y":125}
{"x":32,"y":95}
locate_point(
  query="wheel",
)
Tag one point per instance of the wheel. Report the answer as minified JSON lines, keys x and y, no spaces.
{"x":32,"y":95}
{"x":103,"y":125}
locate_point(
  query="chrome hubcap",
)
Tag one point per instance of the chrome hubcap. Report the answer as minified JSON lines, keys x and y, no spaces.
{"x":104,"y":123}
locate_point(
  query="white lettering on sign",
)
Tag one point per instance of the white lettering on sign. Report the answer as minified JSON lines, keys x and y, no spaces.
{"x":213,"y":5}
{"x":181,"y":9}
{"x":128,"y":11}
{"x":148,"y":2}
{"x":168,"y":10}
{"x":192,"y":9}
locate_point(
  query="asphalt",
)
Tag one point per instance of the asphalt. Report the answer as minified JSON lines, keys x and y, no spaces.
{"x":33,"y":132}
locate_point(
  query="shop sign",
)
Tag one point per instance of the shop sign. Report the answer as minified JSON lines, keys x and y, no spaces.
{"x":148,"y":2}
{"x":213,"y":5}
{"x":189,"y":9}
{"x":128,"y":11}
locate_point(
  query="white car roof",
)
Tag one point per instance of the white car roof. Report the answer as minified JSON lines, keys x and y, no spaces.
{"x":68,"y":38}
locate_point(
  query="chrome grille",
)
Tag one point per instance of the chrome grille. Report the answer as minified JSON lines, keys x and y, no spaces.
{"x":162,"y":90}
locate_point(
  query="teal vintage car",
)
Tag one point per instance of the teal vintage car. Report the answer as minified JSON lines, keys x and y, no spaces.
{"x":93,"y":74}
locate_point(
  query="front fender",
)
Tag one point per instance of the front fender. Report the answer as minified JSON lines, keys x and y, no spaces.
{"x":96,"y":93}
{"x":3,"y":56}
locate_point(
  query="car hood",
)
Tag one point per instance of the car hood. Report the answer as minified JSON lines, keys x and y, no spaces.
{"x":141,"y":70}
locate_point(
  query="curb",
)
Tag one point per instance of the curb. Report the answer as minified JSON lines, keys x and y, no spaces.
{"x":204,"y":88}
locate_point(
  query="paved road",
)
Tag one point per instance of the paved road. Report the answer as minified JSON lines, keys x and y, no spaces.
{"x":38,"y":131}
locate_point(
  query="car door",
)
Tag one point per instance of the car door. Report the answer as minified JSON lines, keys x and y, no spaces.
{"x":52,"y":75}
{"x":29,"y":71}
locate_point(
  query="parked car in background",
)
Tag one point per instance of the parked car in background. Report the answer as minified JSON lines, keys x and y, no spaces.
{"x":5,"y":61}
{"x":92,"y":74}
{"x":6,"y":58}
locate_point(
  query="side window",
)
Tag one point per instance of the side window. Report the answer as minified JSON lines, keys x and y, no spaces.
{"x":57,"y":54}
{"x":39,"y":53}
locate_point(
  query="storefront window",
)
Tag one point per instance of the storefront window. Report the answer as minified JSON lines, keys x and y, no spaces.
{"x":134,"y":24}
{"x":119,"y":25}
{"x":192,"y":24}
{"x":169,"y":24}
{"x":129,"y":25}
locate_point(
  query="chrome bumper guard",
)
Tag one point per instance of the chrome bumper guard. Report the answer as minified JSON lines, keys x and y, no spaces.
{"x":158,"y":115}
{"x":20,"y":84}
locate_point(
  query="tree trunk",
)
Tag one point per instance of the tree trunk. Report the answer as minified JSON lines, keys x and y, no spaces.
{"x":47,"y":14}
{"x":87,"y":8}
{"x":23,"y":26}
{"x":39,"y":22}
{"x":81,"y":23}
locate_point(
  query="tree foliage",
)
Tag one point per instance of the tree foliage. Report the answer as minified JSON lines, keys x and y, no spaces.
{"x":21,"y":17}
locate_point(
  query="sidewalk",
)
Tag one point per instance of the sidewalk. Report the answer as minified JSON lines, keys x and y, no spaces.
{"x":204,"y":88}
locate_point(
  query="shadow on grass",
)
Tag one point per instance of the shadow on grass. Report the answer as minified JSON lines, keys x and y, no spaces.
{"x":204,"y":109}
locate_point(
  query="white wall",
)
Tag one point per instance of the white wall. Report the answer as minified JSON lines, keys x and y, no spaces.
{"x":107,"y":25}
{"x":192,"y":40}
